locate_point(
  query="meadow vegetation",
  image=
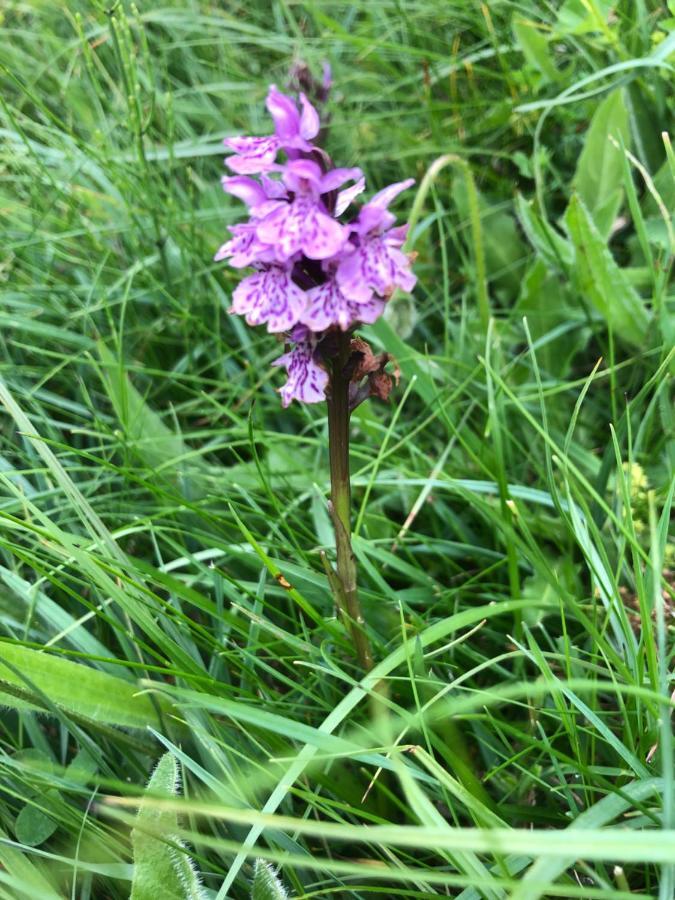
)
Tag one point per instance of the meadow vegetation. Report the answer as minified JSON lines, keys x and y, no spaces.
{"x":167,"y":633}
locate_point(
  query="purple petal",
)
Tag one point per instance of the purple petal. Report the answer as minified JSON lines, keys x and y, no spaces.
{"x":396,"y":237}
{"x":284,"y":360}
{"x":337,"y":177}
{"x":375,"y":263}
{"x":405,"y":280}
{"x":301,"y":225}
{"x":350,"y":273}
{"x":285,"y":114}
{"x":252,"y":154}
{"x":273,"y":189}
{"x":373,"y":220}
{"x":384,"y":197}
{"x":302,"y":176}
{"x":269,"y":296}
{"x":344,"y":198}
{"x":244,"y":248}
{"x":283,"y":228}
{"x":307,"y":380}
{"x":309,"y":120}
{"x":368,"y":312}
{"x":322,"y":235}
{"x":300,"y":333}
{"x":327,"y":305}
{"x":323,"y":305}
{"x":245,"y":189}
{"x":379,"y":265}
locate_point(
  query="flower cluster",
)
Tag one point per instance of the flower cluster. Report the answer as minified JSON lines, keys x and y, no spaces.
{"x":316,"y":272}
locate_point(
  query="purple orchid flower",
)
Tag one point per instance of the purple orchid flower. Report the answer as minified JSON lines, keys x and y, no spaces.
{"x":293,"y":132}
{"x":244,"y":248}
{"x":304,"y":224}
{"x":270,"y":296}
{"x":328,"y":305}
{"x":376,"y":259}
{"x":307,"y":379}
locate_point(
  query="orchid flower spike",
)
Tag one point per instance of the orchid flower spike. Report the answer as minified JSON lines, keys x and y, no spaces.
{"x":319,"y":270}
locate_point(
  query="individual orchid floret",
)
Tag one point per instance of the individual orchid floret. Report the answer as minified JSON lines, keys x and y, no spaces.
{"x":327,"y":305}
{"x":244,"y":248}
{"x":293,"y":131}
{"x":307,"y":379}
{"x":304,"y":224}
{"x":376,"y":258}
{"x":270,"y":296}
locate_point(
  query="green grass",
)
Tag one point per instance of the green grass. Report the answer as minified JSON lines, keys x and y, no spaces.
{"x":513,"y":500}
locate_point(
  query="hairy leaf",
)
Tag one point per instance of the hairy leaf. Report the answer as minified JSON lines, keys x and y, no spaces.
{"x":599,"y":178}
{"x":161,"y":867}
{"x":266,"y":885}
{"x":36,"y":677}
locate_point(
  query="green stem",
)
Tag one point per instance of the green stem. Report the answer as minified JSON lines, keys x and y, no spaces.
{"x":344,"y":586}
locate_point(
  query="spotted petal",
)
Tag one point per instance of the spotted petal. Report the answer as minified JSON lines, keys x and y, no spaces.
{"x":244,"y":248}
{"x":252,"y":154}
{"x":375,"y":263}
{"x":307,"y":380}
{"x":328,"y":306}
{"x":302,"y":225}
{"x":322,"y":235}
{"x":269,"y":296}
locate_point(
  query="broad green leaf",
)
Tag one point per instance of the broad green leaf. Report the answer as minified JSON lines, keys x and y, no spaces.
{"x":599,"y":176}
{"x":601,"y":281}
{"x":551,"y":246}
{"x":535,"y":48}
{"x":33,"y":825}
{"x":266,"y":885}
{"x":161,"y":868}
{"x":75,"y":688}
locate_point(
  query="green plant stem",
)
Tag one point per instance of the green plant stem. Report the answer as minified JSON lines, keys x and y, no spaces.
{"x":344,"y":587}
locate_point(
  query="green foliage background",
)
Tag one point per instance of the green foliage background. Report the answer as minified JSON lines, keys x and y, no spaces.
{"x":512,"y":503}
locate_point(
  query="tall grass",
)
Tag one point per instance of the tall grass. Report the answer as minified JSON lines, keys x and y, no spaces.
{"x":165,"y":616}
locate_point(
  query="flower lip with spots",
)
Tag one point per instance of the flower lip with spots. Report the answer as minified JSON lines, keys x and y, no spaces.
{"x":303,"y":224}
{"x":307,"y":378}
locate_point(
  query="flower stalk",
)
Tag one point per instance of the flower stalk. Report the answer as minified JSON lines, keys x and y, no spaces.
{"x":344,"y":586}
